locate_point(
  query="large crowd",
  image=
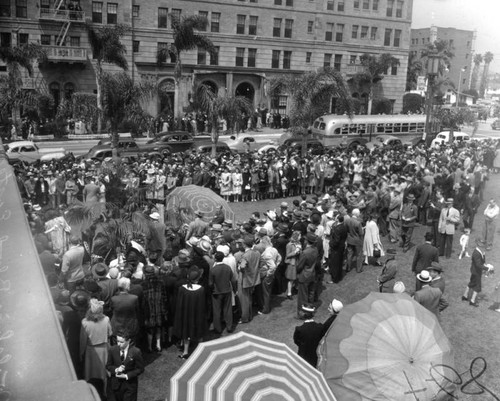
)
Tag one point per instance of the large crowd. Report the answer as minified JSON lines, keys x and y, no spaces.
{"x":118,"y":272}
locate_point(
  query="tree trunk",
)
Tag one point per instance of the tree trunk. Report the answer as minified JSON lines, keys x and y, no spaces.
{"x":215,"y":139}
{"x":370,"y":101}
{"x":98,"y":75}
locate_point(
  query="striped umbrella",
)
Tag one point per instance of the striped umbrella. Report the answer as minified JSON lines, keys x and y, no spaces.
{"x":387,"y":347}
{"x":246,"y":367}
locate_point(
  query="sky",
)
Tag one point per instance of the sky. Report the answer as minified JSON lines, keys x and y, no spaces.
{"x":480,"y":15}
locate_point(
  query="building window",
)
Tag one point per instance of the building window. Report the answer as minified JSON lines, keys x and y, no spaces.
{"x":287,"y":59}
{"x":337,"y":62}
{"x":44,"y":40}
{"x":340,"y":5}
{"x":24,"y":38}
{"x":214,"y":56}
{"x":329,"y":32}
{"x":356,"y":4}
{"x":355,"y":29}
{"x":162,"y":46}
{"x":135,"y":11}
{"x":373,"y":34}
{"x":252,"y":25}
{"x":397,"y":37}
{"x":277,"y":28}
{"x":399,"y":9}
{"x":275,"y":61}
{"x":203,"y":14}
{"x":97,"y":12}
{"x":112,"y":13}
{"x":327,"y":61}
{"x":390,"y":6}
{"x":74,"y":41}
{"x":176,"y":14}
{"x":366,"y":4}
{"x":6,"y":39}
{"x":330,"y":5}
{"x":4,"y":8}
{"x":277,"y":2}
{"x":215,"y":23}
{"x":22,"y":8}
{"x":352,"y":59}
{"x":240,"y":56}
{"x":253,"y":1}
{"x":202,"y":56}
{"x":252,"y":57}
{"x":289,"y":3}
{"x":375,"y":5}
{"x":387,"y":37}
{"x":240,"y":24}
{"x":135,"y":46}
{"x":394,"y":69}
{"x":162,"y":17}
{"x":310,"y":26}
{"x":308,"y":57}
{"x":364,"y":32}
{"x":339,"y":36}
{"x":288,"y":28}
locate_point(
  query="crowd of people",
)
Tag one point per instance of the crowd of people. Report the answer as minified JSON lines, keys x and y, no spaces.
{"x":128,"y":278}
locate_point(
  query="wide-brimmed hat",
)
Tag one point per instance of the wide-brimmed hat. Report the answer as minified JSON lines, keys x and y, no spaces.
{"x":99,"y":270}
{"x":79,"y":299}
{"x":308,"y":308}
{"x":424,"y":276}
{"x":410,"y":197}
{"x":311,"y":238}
{"x":216,"y":227}
{"x":263,"y":232}
{"x":248,"y":240}
{"x":282,"y":228}
{"x":436,"y":267}
{"x":449,"y":200}
{"x":204,"y":245}
{"x":155,"y":216}
{"x":336,"y":306}
{"x":284,"y":205}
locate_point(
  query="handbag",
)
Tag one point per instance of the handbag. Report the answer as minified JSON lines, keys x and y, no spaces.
{"x":376,"y":253}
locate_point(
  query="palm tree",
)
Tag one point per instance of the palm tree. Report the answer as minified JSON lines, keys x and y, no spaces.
{"x":106,"y":48}
{"x":375,"y":69}
{"x":217,"y":106}
{"x":185,"y":38}
{"x":488,"y":58}
{"x":12,"y":94}
{"x":415,"y":69}
{"x":478,"y":59}
{"x":443,"y":50}
{"x":122,"y":101}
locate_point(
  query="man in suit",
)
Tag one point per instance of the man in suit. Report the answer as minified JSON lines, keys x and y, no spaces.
{"x":308,"y":336}
{"x":409,"y":214}
{"x":448,"y":218}
{"x":125,"y":309}
{"x":249,"y":277}
{"x":425,"y":254}
{"x":109,"y":286}
{"x":306,"y":273}
{"x":72,"y":265}
{"x":222,"y":282}
{"x":354,"y":241}
{"x":91,"y":191}
{"x":387,"y":275}
{"x":338,"y":237}
{"x":478,"y":265}
{"x":125,"y":364}
{"x":429,"y":297}
{"x":471,"y":204}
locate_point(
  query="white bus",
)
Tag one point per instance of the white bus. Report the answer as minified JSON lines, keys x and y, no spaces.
{"x":335,"y":130}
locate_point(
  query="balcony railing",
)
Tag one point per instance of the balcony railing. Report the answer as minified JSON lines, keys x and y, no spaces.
{"x":61,"y":15}
{"x":66,"y":54}
{"x":351,"y":69}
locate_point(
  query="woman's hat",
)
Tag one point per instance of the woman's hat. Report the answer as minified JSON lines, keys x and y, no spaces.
{"x":311,"y":238}
{"x":79,"y":299}
{"x":424,"y":276}
{"x":336,"y":306}
{"x":204,"y":246}
{"x":436,"y":267}
{"x":99,"y":270}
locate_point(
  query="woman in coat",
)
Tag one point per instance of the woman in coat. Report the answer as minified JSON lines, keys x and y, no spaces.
{"x":293,"y":249}
{"x":94,"y":336}
{"x":372,"y":245}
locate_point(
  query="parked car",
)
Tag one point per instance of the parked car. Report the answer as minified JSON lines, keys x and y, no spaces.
{"x":444,"y":136}
{"x":268,"y":149}
{"x":389,"y":141}
{"x":29,"y":152}
{"x":170,"y":142}
{"x":314,"y":146}
{"x":496,"y":124}
{"x":126,"y":147}
{"x":205,"y":146}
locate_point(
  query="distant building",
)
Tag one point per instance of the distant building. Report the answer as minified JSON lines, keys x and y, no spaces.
{"x":256,"y":40}
{"x":463,"y":42}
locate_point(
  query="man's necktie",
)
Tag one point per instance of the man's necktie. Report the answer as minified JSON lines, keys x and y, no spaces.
{"x":122,"y":356}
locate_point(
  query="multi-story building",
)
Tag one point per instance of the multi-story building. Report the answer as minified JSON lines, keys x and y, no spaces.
{"x":459,"y":69}
{"x":255,"y":40}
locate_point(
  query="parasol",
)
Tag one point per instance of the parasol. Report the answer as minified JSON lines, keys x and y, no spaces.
{"x":193,"y":198}
{"x":246,"y":367}
{"x":386,"y":347}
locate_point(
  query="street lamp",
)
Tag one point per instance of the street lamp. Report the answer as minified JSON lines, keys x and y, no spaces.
{"x":433,"y":64}
{"x":459,"y":82}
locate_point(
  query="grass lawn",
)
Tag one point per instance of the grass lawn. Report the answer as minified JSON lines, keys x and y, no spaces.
{"x":473,"y":332}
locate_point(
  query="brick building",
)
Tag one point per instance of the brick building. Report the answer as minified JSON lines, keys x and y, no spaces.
{"x":256,"y":39}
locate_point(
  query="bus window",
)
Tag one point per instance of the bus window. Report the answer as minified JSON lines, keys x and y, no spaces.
{"x":316,"y":123}
{"x":337,"y":131}
{"x":361,"y":129}
{"x":397,"y":128}
{"x":388,"y":128}
{"x":345,"y":129}
{"x":404,"y":127}
{"x":322,"y":126}
{"x":353,"y":129}
{"x":420,"y":127}
{"x":380,"y":128}
{"x":413,"y":127}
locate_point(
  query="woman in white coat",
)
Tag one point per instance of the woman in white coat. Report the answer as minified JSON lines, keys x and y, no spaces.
{"x":372,"y":245}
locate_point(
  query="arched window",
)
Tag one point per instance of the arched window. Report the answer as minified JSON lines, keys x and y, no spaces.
{"x":212,"y":86}
{"x":166,"y":96}
{"x":69,"y":89}
{"x":55,"y":91}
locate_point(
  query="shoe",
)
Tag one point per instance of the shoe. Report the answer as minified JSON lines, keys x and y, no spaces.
{"x":474,"y":304}
{"x":288,"y":297}
{"x":464,"y":298}
{"x":183,"y":356}
{"x":260,"y":312}
{"x":329,"y":282}
{"x":241,"y":322}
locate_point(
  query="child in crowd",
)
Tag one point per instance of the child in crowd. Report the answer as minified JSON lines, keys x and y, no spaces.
{"x":464,"y":243}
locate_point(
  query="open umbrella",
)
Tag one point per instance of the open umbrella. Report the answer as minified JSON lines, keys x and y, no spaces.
{"x":386,"y":347}
{"x":246,"y":367}
{"x":193,"y":198}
